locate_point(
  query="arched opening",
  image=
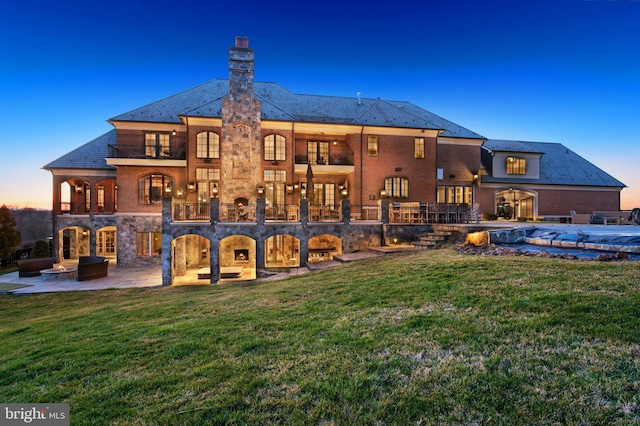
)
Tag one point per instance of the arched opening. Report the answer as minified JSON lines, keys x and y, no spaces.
{"x":322,"y":248}
{"x":282,"y":251}
{"x":237,"y":257}
{"x":189,"y":256}
{"x":514,"y":203}
{"x":74,"y":242}
{"x":106,"y":242}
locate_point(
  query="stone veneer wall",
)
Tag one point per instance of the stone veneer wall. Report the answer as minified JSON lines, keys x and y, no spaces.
{"x":128,"y":227}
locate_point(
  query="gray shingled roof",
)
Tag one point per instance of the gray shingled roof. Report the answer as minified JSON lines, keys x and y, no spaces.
{"x":558,"y":165}
{"x":279,"y":104}
{"x":91,"y":155}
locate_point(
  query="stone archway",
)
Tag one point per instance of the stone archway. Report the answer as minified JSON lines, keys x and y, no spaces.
{"x":237,"y":257}
{"x":514,"y":203}
{"x":74,"y":242}
{"x":189,"y":256}
{"x":282,"y":251}
{"x":323,"y":247}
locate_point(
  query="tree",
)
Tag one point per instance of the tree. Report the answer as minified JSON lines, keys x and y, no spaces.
{"x":9,"y":237}
{"x":40,"y":249}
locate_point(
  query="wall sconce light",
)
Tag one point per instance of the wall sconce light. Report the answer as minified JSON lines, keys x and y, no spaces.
{"x":174,"y":132}
{"x":214,"y":191}
{"x":344,"y":192}
{"x":191,"y":186}
{"x":475,"y":177}
{"x":179,"y":193}
{"x":296,"y":186}
{"x":78,"y":189}
{"x":383,"y":193}
{"x":260,"y":190}
{"x":84,"y":233}
{"x":168,"y":191}
{"x":289,"y":188}
{"x":303,"y":193}
{"x":335,"y":143}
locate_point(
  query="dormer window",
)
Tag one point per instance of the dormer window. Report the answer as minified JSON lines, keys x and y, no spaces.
{"x":516,"y":166}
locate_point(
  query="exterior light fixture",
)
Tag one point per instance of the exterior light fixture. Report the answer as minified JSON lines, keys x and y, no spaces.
{"x":345,"y":192}
{"x":260,"y":190}
{"x":214,"y":190}
{"x":191,"y":186}
{"x":383,"y":193}
{"x":179,"y":193}
{"x":168,"y":191}
{"x":174,"y":132}
{"x":289,"y":188}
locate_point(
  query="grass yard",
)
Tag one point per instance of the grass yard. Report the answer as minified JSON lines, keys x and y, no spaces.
{"x":431,"y":337}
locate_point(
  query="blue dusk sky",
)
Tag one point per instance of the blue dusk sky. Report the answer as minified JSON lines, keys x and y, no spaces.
{"x":564,"y":71}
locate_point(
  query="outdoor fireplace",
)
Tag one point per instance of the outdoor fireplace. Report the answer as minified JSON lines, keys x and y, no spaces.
{"x":241,"y":255}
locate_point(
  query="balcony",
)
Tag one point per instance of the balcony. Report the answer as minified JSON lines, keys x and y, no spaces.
{"x":139,"y":154}
{"x":341,"y":163}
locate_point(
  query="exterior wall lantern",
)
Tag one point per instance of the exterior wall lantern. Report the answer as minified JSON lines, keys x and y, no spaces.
{"x":383,"y":193}
{"x":260,"y":190}
{"x":289,"y":188}
{"x":168,"y":190}
{"x":214,"y":191}
{"x":179,"y":192}
{"x":191,"y":186}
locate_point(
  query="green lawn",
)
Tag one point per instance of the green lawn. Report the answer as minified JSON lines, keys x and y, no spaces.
{"x":431,"y":337}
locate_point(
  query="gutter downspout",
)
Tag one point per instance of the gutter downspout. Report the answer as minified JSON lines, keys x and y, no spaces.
{"x":361,"y":139}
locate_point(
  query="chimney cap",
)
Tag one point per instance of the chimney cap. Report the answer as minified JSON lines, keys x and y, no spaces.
{"x":242,"y":42}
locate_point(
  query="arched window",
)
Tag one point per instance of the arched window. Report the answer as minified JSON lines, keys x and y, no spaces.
{"x":275,"y":148}
{"x":208,"y":145}
{"x":397,"y":187}
{"x":151,"y":188}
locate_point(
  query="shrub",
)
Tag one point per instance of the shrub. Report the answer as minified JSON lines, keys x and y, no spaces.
{"x":40,"y":249}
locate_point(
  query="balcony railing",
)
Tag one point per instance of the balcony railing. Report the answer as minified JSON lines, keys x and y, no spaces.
{"x":341,"y":159}
{"x":322,"y":213}
{"x":365,"y":213}
{"x":284,"y":213}
{"x":230,"y":212}
{"x":191,"y":211}
{"x":147,"y":152}
{"x":80,"y":208}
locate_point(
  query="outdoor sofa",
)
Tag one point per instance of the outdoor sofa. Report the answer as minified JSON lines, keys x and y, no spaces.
{"x":92,"y":267}
{"x":32,"y":267}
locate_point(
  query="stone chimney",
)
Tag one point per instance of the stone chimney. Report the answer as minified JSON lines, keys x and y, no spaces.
{"x":241,"y":65}
{"x":241,"y":142}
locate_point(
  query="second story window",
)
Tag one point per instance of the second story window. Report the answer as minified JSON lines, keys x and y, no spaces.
{"x":151,"y":188}
{"x":516,"y":166}
{"x":372,"y":146}
{"x":274,"y":148}
{"x":208,"y":145}
{"x":318,"y":152}
{"x":418,"y":147}
{"x":156,"y":145}
{"x":208,"y":183}
{"x":397,"y":187}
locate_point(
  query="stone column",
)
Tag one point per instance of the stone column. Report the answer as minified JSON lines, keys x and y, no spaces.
{"x":214,"y":259}
{"x":260,"y":210}
{"x":304,"y":211}
{"x":346,"y":211}
{"x":167,"y":238}
{"x":214,"y":210}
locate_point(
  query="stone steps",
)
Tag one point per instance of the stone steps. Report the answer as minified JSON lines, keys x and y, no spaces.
{"x":432,"y":239}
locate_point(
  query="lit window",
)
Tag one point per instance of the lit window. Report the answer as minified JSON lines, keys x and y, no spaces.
{"x":275,"y":186}
{"x":372,"y":146}
{"x":151,"y":187}
{"x":207,"y":180}
{"x":208,"y":145}
{"x":455,"y":194}
{"x":157,"y":145}
{"x":419,"y":147}
{"x":516,"y":166}
{"x":397,"y":187}
{"x":274,"y":148}
{"x":318,"y":152}
{"x":149,"y":243}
